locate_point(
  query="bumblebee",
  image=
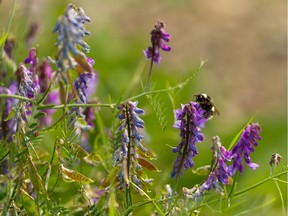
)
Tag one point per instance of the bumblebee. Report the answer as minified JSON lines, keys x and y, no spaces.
{"x":206,"y":104}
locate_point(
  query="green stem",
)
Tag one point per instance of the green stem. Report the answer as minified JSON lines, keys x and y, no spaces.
{"x":259,"y":183}
{"x":9,"y":25}
{"x":149,"y":75}
{"x":53,"y":106}
{"x":16,"y":97}
{"x":281,"y":197}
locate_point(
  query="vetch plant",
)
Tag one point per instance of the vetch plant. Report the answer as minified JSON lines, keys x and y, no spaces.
{"x":65,"y":152}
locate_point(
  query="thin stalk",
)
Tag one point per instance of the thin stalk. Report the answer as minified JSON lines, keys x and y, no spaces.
{"x":150,"y":72}
{"x":8,"y":25}
{"x":128,"y":191}
{"x":16,"y":97}
{"x":259,"y":183}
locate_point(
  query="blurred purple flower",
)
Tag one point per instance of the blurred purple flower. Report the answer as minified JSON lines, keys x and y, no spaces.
{"x":8,"y":128}
{"x":85,"y":85}
{"x":26,"y":86}
{"x":45,"y":75}
{"x":52,"y":98}
{"x":71,"y":30}
{"x":189,"y":120}
{"x":158,"y":36}
{"x":244,"y":147}
{"x":32,"y":60}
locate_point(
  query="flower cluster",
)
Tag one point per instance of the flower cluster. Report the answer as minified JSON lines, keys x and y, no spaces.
{"x":71,"y":30}
{"x":189,"y":120}
{"x":158,"y":35}
{"x":220,"y":171}
{"x":126,"y":154}
{"x":244,"y":147}
{"x":8,"y":128}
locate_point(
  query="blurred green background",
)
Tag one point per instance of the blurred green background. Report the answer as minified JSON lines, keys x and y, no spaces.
{"x":244,"y":43}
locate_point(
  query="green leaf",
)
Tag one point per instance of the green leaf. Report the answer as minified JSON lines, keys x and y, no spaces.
{"x":40,"y":115}
{"x":3,"y":38}
{"x":28,"y":203}
{"x":73,"y":175}
{"x":240,"y":132}
{"x":11,"y":114}
{"x":111,"y":177}
{"x":35,"y":178}
{"x":148,"y":165}
{"x":202,"y":171}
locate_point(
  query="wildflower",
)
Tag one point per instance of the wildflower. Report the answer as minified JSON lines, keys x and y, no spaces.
{"x":131,"y":141}
{"x":8,"y":128}
{"x":71,"y":30}
{"x":26,"y":86}
{"x":84,"y":84}
{"x":158,"y":35}
{"x":219,"y":173}
{"x":45,"y":75}
{"x":32,"y":60}
{"x":189,"y":120}
{"x":244,"y":147}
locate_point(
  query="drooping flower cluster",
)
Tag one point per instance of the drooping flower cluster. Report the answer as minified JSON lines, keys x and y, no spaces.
{"x":189,"y":120}
{"x":71,"y":30}
{"x":126,"y":155}
{"x":85,"y":83}
{"x":244,"y":147}
{"x":158,"y":36}
{"x":220,"y":171}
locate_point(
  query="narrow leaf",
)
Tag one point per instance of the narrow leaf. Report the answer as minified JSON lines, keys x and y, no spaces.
{"x":240,"y":132}
{"x":202,"y":171}
{"x":83,"y":65}
{"x":111,"y":177}
{"x":3,"y":38}
{"x":148,"y":165}
{"x":35,"y":177}
{"x":75,"y":176}
{"x":11,"y":114}
{"x":28,"y":203}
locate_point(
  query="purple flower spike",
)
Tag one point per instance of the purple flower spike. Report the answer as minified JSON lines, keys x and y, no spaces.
{"x":158,"y":35}
{"x":32,"y":60}
{"x":219,"y":173}
{"x":130,"y":127}
{"x":244,"y":147}
{"x":189,"y":120}
{"x":71,"y":30}
{"x":83,"y":85}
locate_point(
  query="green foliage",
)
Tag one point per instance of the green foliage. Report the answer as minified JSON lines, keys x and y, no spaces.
{"x":53,"y":170}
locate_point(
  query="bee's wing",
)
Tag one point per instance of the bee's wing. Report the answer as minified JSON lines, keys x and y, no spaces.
{"x":216,"y":111}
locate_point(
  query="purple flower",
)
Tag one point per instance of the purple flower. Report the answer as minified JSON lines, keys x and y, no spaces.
{"x":8,"y":128}
{"x":52,"y":98}
{"x":32,"y":60}
{"x":45,"y":75}
{"x":158,"y":36}
{"x":189,"y":120}
{"x":130,"y":144}
{"x":244,"y":147}
{"x":26,"y":86}
{"x":219,"y":172}
{"x":83,"y":84}
{"x":71,"y":30}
